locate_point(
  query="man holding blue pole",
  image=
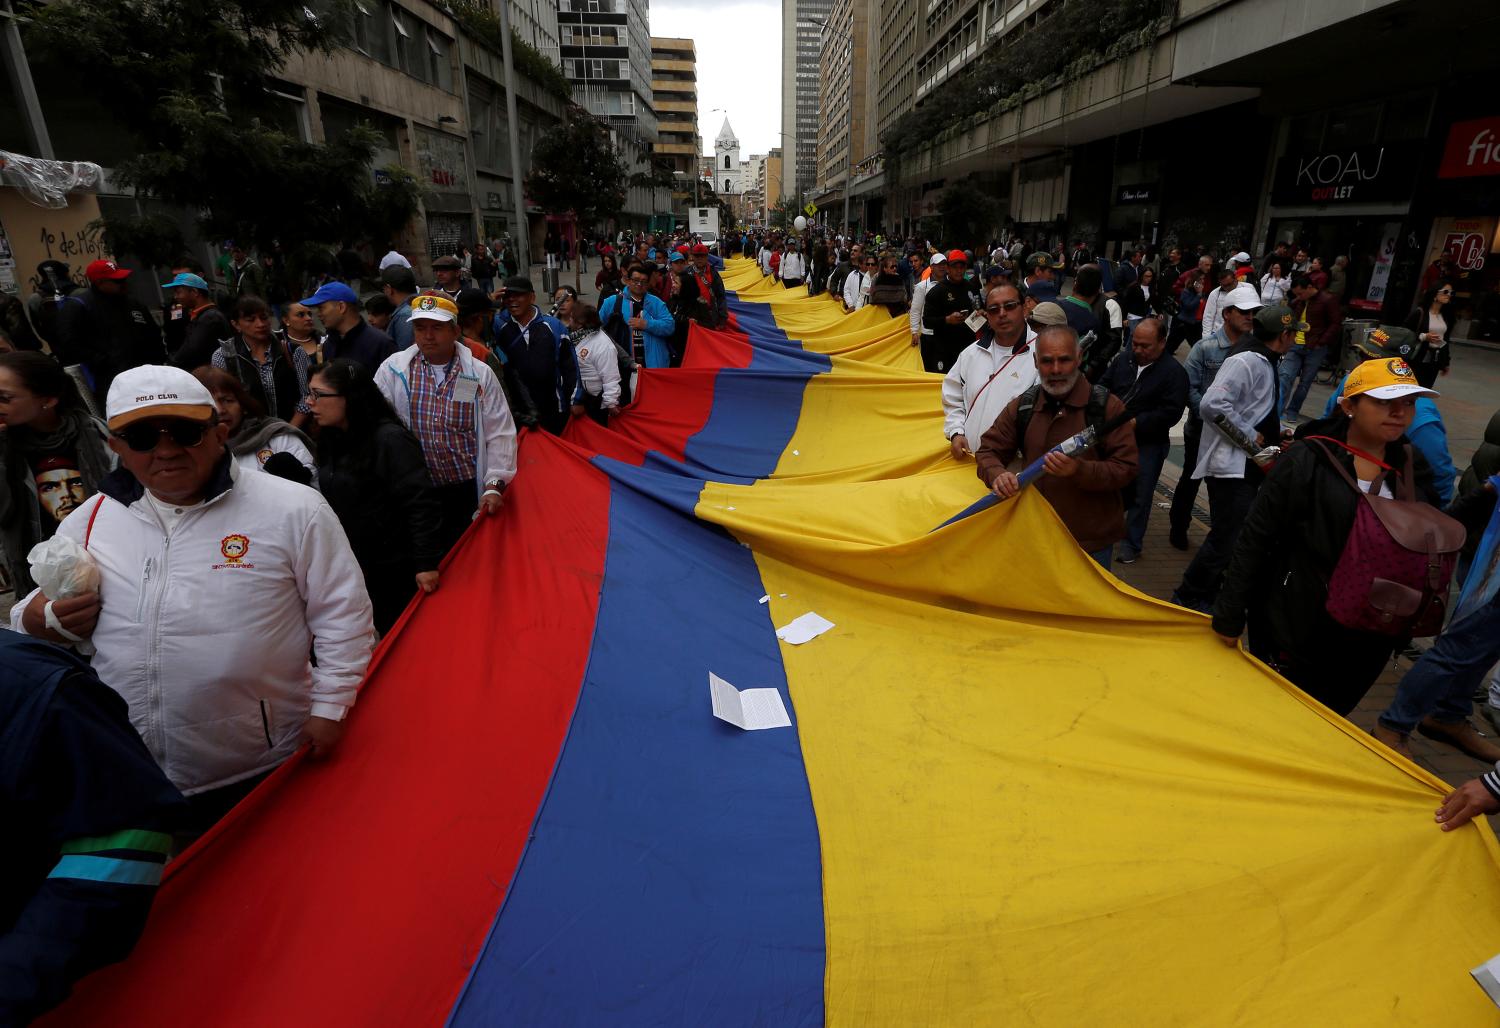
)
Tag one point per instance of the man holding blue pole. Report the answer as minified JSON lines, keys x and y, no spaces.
{"x":1083,"y":487}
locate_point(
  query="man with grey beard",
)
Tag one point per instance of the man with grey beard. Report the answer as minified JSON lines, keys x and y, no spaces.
{"x":1084,"y":489}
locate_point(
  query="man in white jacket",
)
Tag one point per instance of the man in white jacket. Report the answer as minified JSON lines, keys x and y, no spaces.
{"x":793,"y":268}
{"x":857,"y":284}
{"x":919,"y":297}
{"x":454,"y":405}
{"x":994,"y":369}
{"x":215,"y":587}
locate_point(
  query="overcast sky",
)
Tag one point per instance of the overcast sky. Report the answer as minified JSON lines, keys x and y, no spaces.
{"x":739,"y":65}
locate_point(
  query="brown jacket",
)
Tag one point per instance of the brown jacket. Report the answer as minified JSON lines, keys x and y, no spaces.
{"x":1088,"y":502}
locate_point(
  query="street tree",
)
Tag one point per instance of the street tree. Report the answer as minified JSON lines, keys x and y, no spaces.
{"x":193,"y":87}
{"x":577,"y":168}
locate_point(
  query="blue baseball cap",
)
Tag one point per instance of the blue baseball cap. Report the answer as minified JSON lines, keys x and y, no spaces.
{"x":331,"y":291}
{"x":187,"y":278}
{"x":675,"y":257}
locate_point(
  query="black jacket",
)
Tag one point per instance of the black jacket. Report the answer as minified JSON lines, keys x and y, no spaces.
{"x":1157,"y":397}
{"x":107,"y":334}
{"x":1292,"y":539}
{"x":943,"y":299}
{"x":363,"y":343}
{"x":1135,"y":301}
{"x":239,"y":363}
{"x":383,"y":497}
{"x":1427,"y":360}
{"x":74,"y":775}
{"x":200,"y":338}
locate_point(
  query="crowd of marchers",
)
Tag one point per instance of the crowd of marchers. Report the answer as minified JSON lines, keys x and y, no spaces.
{"x":210,"y":514}
{"x":1335,"y":538}
{"x":209,"y":517}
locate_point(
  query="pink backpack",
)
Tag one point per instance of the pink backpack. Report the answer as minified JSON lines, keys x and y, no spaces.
{"x":1392,"y":576}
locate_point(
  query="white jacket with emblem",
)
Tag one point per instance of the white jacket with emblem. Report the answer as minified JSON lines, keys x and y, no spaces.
{"x":981,"y":382}
{"x":207,"y":637}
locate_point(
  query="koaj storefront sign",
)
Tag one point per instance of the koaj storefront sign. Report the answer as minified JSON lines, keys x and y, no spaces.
{"x":1358,"y":175}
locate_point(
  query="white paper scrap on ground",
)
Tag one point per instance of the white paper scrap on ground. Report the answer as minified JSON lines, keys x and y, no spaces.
{"x":808,"y":626}
{"x":750,"y":709}
{"x":1487,"y":975}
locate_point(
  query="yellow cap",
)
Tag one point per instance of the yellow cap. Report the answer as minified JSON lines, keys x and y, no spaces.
{"x":1385,"y":378}
{"x":433,"y":308}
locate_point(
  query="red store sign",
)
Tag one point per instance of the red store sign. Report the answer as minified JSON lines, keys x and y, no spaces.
{"x":1473,"y":149}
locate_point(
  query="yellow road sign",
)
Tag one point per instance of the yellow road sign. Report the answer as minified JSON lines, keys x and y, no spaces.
{"x":810,"y":209}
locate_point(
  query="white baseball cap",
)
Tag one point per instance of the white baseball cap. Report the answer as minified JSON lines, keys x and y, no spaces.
{"x":937,"y":259}
{"x":1244,"y":297}
{"x":1240,"y":258}
{"x":157,"y":391}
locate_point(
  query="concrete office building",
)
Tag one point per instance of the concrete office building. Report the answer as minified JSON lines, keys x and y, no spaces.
{"x":674,"y":92}
{"x":801,"y":57}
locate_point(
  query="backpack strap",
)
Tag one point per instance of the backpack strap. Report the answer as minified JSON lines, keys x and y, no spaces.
{"x":1024,"y":410}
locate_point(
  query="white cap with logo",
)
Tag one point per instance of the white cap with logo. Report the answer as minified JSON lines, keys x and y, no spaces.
{"x":1244,"y":297}
{"x":157,"y":391}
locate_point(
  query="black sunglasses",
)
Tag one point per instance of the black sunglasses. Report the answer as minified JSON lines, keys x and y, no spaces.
{"x":1004,"y":305}
{"x":143,"y":436}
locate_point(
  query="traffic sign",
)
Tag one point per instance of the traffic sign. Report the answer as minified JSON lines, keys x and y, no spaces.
{"x":810,"y":209}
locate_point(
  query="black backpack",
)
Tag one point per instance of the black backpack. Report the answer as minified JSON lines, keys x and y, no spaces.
{"x":1093,"y":414}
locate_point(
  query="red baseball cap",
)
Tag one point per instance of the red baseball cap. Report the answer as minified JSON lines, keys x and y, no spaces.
{"x":684,"y":249}
{"x":700,"y":249}
{"x":101,"y":271}
{"x":957,"y":256}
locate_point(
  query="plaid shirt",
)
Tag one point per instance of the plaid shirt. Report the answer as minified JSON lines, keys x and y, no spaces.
{"x":301,"y":365}
{"x":443,"y":426}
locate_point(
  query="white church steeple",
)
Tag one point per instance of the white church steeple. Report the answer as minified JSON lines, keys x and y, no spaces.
{"x":728,"y":175}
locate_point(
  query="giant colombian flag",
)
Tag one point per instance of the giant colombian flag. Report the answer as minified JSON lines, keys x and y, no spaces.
{"x":1016,"y":791}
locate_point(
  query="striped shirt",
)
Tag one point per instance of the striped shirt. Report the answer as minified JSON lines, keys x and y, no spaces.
{"x":444,"y":425}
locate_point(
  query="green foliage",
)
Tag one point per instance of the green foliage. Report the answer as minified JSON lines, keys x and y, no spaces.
{"x":783,"y":214}
{"x":194,"y":92}
{"x":659,"y":177}
{"x":1071,"y":41}
{"x":576,"y":167}
{"x":153,"y":238}
{"x":968,"y":212}
{"x":482,"y":24}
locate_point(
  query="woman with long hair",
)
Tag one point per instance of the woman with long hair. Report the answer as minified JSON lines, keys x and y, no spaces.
{"x":371,"y":472}
{"x":1274,"y":285}
{"x":1432,"y":321}
{"x":1138,"y":303}
{"x":255,"y":438}
{"x":53,"y":455}
{"x":608,"y":281}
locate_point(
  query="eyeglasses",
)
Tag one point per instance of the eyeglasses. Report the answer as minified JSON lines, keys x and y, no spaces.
{"x":1004,"y":305}
{"x":142,"y":436}
{"x":320,"y":394}
{"x":1445,"y":292}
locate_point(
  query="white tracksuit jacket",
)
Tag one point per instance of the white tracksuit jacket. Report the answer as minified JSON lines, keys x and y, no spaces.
{"x":970,"y":406}
{"x":206,"y":632}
